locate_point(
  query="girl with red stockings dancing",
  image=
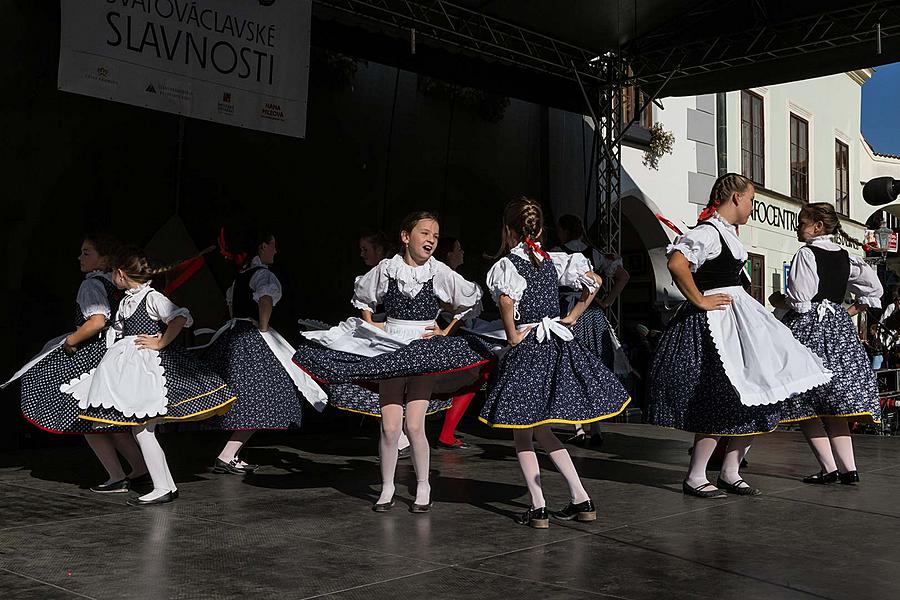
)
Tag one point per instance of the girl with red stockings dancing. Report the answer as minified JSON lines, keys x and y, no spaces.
{"x":545,"y":376}
{"x":724,"y":362}
{"x":821,"y":274}
{"x":408,"y":359}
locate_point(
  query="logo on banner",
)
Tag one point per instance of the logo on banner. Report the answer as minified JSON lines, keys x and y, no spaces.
{"x":225,"y":107}
{"x":273,"y":111}
{"x":101,"y":74}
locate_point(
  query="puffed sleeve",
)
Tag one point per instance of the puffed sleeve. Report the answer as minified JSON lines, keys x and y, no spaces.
{"x":458,"y":292}
{"x":504,"y":280}
{"x":92,"y":299}
{"x":265,"y":283}
{"x":864,"y":283}
{"x":370,"y":288}
{"x":572,"y":270}
{"x":162,"y":309}
{"x":698,"y":245}
{"x":803,"y":280}
{"x":607,"y":264}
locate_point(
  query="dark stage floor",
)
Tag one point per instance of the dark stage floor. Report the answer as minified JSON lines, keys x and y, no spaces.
{"x":302,"y":528}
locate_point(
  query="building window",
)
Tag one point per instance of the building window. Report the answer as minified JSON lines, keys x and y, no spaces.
{"x":752,"y":160}
{"x":632,"y":100}
{"x":757,"y":264}
{"x":799,"y":158}
{"x":842,"y":178}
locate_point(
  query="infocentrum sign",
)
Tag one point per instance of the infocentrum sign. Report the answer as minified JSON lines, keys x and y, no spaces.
{"x":774,"y":216}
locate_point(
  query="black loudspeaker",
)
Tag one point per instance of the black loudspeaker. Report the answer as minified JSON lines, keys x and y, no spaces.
{"x":881,"y":190}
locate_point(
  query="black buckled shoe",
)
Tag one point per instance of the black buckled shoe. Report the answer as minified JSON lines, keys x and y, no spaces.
{"x":734,"y":488}
{"x":822,"y":478}
{"x":583,"y":512}
{"x":538,"y":518}
{"x":596,"y":441}
{"x":421,"y":508}
{"x":165,"y":498}
{"x":383,"y":507}
{"x":233,"y":467}
{"x":116,"y":487}
{"x":701,"y":491}
{"x":849,"y":478}
{"x":579,"y":439}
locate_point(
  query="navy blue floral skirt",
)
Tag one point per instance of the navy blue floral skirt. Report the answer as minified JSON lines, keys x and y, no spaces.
{"x":458,"y":364}
{"x":853,"y":391}
{"x":554,"y":381}
{"x":593,"y":330}
{"x":44,"y":405}
{"x":266,"y":396}
{"x":357,"y":399}
{"x":689,"y":389}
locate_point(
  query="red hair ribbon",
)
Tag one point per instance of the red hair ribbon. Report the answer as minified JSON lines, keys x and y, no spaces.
{"x":669,"y":224}
{"x":536,"y":248}
{"x":238,"y":258}
{"x":709,"y":211}
{"x":186,"y":269}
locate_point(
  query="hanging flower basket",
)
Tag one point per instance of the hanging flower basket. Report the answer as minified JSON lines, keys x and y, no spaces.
{"x":661,"y":143}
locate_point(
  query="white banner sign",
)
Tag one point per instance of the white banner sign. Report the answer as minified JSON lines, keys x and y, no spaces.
{"x":240,"y":62}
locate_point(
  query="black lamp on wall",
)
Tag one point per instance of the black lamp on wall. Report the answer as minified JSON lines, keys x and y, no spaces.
{"x":881,"y":190}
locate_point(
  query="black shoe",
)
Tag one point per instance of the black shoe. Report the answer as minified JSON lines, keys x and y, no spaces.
{"x":421,"y":508}
{"x":849,"y":478}
{"x":822,"y":478}
{"x":460,"y":445}
{"x":596,"y":441}
{"x":384,"y":506}
{"x":167,"y":497}
{"x":701,"y":491}
{"x":233,"y":467}
{"x":537,"y":518}
{"x":116,"y":487}
{"x":583,"y":512}
{"x":404,"y":452}
{"x":579,"y":439}
{"x":734,"y":488}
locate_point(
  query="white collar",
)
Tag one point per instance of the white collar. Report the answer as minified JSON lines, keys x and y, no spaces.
{"x":717,"y":218}
{"x":98,"y":273}
{"x":254,"y":263}
{"x":520,"y":251}
{"x":138,"y":292}
{"x":823,"y":241}
{"x":409,"y":279}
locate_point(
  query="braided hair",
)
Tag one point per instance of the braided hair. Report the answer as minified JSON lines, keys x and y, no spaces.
{"x":722,"y":189}
{"x":524,"y":217}
{"x":132,"y":261}
{"x":824,"y":212}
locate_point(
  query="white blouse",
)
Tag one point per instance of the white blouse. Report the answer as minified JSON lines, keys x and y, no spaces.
{"x":159,"y":307}
{"x":92,"y":298}
{"x":263,"y":282}
{"x":703,"y":243}
{"x":603,"y":264}
{"x":572,"y":270}
{"x":450,"y":287}
{"x":803,"y":280}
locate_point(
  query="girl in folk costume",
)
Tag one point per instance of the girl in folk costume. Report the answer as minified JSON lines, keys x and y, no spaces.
{"x":593,"y":328}
{"x":821,"y":274}
{"x":71,"y":357}
{"x":451,"y":253}
{"x":545,"y":376}
{"x":724,"y":362}
{"x":408,"y":359}
{"x":252,"y":358}
{"x":145,"y":378}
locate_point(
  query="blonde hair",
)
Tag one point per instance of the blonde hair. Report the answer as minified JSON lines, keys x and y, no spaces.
{"x":722,"y":189}
{"x":137,"y":266}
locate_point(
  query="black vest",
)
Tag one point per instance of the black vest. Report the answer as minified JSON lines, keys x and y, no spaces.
{"x":722,"y":271}
{"x":833,"y":269}
{"x":242,"y":304}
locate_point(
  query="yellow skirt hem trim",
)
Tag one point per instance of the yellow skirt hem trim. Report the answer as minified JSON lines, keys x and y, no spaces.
{"x":216,"y":410}
{"x":556,"y":421}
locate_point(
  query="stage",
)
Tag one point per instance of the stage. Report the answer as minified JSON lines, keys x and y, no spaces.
{"x":302,"y":528}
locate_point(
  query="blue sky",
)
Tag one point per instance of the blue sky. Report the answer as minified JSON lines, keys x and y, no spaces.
{"x":881,"y":109}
